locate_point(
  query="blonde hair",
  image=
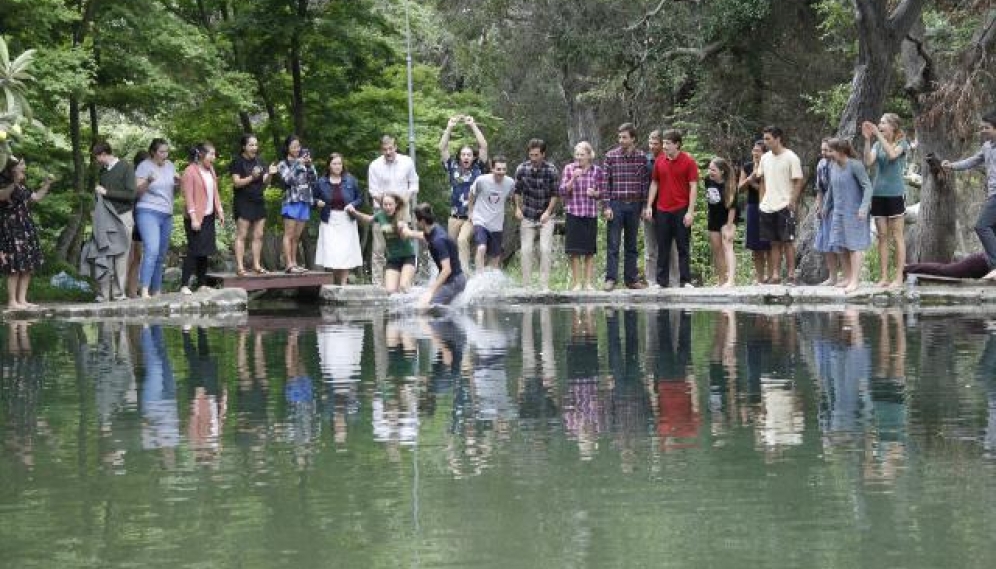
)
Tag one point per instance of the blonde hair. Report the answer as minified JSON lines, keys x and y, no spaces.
{"x":729,"y":180}
{"x":585,"y":147}
{"x":894,"y":122}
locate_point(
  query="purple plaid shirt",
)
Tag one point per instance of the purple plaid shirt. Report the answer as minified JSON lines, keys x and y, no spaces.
{"x":626,"y":175}
{"x":577,"y":202}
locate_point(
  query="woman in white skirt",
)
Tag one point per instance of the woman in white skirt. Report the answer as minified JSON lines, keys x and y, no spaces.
{"x":338,"y":240}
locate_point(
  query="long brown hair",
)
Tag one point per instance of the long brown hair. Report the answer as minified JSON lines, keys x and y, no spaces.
{"x":893,"y":120}
{"x":841,"y":145}
{"x":729,"y":180}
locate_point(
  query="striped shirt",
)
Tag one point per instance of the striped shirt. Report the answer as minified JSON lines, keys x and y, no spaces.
{"x":626,"y":174}
{"x":536,"y":187}
{"x":576,"y":199}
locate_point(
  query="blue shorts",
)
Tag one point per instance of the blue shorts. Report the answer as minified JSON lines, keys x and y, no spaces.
{"x":298,"y":211}
{"x":490,"y":239}
{"x":446,"y":293}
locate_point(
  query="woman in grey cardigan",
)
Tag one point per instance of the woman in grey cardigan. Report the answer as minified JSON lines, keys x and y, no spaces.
{"x":852,"y":192}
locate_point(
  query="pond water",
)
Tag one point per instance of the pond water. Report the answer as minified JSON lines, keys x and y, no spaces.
{"x":515,"y":437}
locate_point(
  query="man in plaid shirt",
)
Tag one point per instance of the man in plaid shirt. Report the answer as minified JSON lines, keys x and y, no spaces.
{"x":536,"y":182}
{"x":628,"y":180}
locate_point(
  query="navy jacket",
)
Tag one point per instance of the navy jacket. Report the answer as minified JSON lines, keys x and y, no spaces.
{"x":350,"y":192}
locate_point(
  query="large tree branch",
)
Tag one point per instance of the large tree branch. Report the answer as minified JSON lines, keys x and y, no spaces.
{"x":983,"y":42}
{"x":651,"y":14}
{"x":699,"y":53}
{"x":904,"y":16}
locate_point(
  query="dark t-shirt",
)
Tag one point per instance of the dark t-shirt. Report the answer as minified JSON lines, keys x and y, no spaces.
{"x":460,"y":182}
{"x":441,"y":246}
{"x":243,"y":168}
{"x":753,"y":193}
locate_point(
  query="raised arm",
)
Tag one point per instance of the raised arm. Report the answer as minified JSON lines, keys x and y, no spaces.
{"x":444,"y":141}
{"x":482,"y":143}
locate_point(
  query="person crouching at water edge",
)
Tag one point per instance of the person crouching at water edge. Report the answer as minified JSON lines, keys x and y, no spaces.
{"x":450,"y":281}
{"x":399,"y":249}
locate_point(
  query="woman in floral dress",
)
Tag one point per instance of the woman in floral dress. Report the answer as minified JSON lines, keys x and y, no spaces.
{"x":20,"y":251}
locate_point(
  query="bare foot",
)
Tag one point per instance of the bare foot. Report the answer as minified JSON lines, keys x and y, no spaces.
{"x":851,"y":287}
{"x":15,"y":306}
{"x":576,"y":287}
{"x":829,"y":282}
{"x":883,"y":283}
{"x":728,"y":284}
{"x":896,"y":284}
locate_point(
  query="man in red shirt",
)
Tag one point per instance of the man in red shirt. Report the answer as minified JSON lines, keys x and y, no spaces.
{"x":671,"y":204}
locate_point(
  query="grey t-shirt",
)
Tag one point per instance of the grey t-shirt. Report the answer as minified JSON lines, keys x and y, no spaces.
{"x":159,"y":195}
{"x":489,"y":201}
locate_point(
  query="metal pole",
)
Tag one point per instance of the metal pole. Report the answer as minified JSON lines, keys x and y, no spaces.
{"x":411,"y":101}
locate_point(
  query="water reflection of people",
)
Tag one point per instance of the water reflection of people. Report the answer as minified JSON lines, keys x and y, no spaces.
{"x":844,"y":364}
{"x":208,"y":398}
{"x":161,"y":424}
{"x":888,"y":398}
{"x":629,"y":406}
{"x":536,"y":391}
{"x":493,"y":404}
{"x":303,"y":425}
{"x":21,"y":373}
{"x":782,"y":421}
{"x":723,"y":390}
{"x":395,"y":401}
{"x":986,"y":374}
{"x":583,"y":408}
{"x":252,"y":421}
{"x":340,"y":349}
{"x":109,"y":361}
{"x":678,"y":416}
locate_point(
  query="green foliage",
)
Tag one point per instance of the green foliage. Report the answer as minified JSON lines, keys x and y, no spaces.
{"x":828,"y":104}
{"x":836,"y":26}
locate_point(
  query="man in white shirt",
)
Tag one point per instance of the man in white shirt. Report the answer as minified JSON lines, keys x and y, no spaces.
{"x":390,"y":173}
{"x":780,"y":172}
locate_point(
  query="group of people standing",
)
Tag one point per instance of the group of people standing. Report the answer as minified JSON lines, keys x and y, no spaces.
{"x":656,"y":189}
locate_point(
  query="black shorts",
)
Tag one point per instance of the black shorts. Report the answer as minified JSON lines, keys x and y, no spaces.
{"x":778,"y":226}
{"x":490,"y":239}
{"x":888,"y":206}
{"x":398,"y":264}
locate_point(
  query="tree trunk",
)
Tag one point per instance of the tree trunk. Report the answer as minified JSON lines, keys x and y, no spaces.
{"x":297,"y":105}
{"x":946,"y":109}
{"x":880,"y":36}
{"x":582,"y":112}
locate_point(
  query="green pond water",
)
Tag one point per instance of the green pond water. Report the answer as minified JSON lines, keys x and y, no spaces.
{"x":542,"y":437}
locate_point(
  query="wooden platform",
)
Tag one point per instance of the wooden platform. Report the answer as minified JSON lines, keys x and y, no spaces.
{"x":272,"y":281}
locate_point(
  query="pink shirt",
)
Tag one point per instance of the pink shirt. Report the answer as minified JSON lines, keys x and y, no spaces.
{"x":577,"y":202}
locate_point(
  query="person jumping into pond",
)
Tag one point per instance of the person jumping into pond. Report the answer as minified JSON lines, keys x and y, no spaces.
{"x":852,"y":195}
{"x":450,"y":281}
{"x":488,"y":196}
{"x":462,"y":172}
{"x":985,"y":226}
{"x":399,"y":249}
{"x":888,"y":208}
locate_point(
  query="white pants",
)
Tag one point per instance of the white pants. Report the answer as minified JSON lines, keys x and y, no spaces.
{"x":527,"y":233}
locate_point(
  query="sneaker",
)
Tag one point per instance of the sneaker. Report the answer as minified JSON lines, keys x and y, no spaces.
{"x":688,"y":285}
{"x":609,"y":286}
{"x":637,"y":285}
{"x":186,"y":290}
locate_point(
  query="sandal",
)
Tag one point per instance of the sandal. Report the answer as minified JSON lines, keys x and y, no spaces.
{"x":261,"y":271}
{"x":241,"y":272}
{"x":290,"y":270}
{"x":299,"y":270}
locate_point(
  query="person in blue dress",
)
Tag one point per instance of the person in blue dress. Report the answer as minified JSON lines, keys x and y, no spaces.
{"x":852,"y":192}
{"x":824,"y":217}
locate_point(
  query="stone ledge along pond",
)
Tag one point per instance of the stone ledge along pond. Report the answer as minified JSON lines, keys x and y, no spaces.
{"x":511,"y":436}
